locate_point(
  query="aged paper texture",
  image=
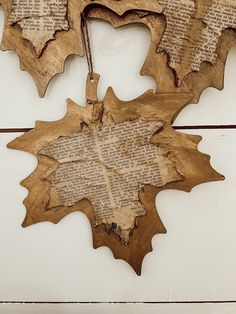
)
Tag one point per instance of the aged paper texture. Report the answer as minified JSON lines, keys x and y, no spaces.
{"x":193,"y":31}
{"x":39,"y":20}
{"x":109,"y":166}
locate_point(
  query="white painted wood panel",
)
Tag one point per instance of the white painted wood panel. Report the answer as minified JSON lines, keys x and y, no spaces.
{"x":119,"y":308}
{"x":194,"y":261}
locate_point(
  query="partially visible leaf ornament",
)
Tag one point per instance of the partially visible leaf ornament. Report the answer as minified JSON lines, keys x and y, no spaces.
{"x":109,"y":160}
{"x":193,"y":32}
{"x":178,"y":76}
{"x":196,"y":38}
{"x":39,"y":20}
{"x":44,"y":33}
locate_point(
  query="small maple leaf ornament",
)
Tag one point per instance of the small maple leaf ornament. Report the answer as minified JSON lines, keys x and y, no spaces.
{"x":109,"y":160}
{"x":45,"y":33}
{"x":190,"y":42}
{"x":189,"y":46}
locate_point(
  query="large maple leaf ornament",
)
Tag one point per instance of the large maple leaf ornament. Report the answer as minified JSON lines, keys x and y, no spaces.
{"x":109,"y":160}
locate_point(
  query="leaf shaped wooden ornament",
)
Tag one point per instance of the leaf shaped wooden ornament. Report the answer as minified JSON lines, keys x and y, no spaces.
{"x":195,"y":42}
{"x":172,"y":62}
{"x":109,"y":160}
{"x":45,"y":33}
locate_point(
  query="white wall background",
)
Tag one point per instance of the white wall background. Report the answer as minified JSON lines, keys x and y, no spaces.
{"x":195,"y":261}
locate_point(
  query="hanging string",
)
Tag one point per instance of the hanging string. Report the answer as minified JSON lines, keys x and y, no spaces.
{"x":87,"y":46}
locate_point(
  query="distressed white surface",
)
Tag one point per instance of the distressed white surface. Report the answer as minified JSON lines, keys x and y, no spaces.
{"x":119,"y":308}
{"x":194,"y":261}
